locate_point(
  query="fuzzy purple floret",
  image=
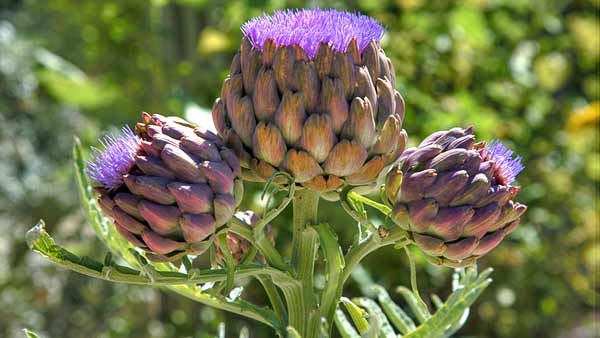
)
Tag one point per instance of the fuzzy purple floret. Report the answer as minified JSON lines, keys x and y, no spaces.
{"x":309,"y":27}
{"x":508,"y":166}
{"x":108,"y":166}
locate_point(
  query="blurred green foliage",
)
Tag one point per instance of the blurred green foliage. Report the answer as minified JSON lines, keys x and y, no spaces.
{"x":523,"y":71}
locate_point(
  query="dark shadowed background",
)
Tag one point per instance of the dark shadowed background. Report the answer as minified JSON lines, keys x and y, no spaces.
{"x":522,"y":71}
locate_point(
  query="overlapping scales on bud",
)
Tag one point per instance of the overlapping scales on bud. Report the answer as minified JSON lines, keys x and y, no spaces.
{"x":239,"y":246}
{"x":168,"y":188}
{"x":454,"y":196}
{"x":319,"y":103}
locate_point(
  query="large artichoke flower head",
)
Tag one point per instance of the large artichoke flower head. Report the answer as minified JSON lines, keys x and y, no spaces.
{"x":455,"y":197}
{"x":167,"y":186}
{"x":311,"y":93}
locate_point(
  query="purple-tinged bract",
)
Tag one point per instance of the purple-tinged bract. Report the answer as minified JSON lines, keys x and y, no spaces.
{"x":108,"y":166}
{"x":507,"y":167}
{"x":309,"y":27}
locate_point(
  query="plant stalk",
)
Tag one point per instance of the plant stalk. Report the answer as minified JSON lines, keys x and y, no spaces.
{"x":304,"y":245}
{"x":305,"y":207}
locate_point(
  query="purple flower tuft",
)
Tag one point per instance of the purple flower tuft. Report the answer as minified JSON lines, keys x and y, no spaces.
{"x":108,"y":166}
{"x":508,"y":167}
{"x":309,"y":27}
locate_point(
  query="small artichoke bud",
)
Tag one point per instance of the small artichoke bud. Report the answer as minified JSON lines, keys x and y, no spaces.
{"x":238,"y":246}
{"x":455,"y":196}
{"x":168,"y":187}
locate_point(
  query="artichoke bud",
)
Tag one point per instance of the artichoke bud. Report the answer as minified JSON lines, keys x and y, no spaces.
{"x":297,"y":92}
{"x":238,"y":246}
{"x":169,"y":187}
{"x":455,"y":196}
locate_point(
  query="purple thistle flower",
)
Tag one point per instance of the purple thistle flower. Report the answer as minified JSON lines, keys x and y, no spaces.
{"x":309,"y":27}
{"x":507,"y":167}
{"x":108,"y":166}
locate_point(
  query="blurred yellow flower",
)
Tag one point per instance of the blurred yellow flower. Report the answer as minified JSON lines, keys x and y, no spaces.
{"x":584,"y":117}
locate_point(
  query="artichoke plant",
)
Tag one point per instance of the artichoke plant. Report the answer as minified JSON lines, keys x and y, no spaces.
{"x":455,"y":196}
{"x":306,"y":97}
{"x":167,"y":187}
{"x":309,"y":103}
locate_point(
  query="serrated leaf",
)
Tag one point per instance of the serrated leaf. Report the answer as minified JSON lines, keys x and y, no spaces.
{"x":419,"y":310}
{"x":385,"y":328}
{"x":449,"y":317}
{"x":357,"y":315}
{"x":452,"y":315}
{"x":344,"y":326}
{"x":394,"y":312}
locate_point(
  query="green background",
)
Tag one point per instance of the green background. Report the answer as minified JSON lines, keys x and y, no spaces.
{"x":525,"y":72}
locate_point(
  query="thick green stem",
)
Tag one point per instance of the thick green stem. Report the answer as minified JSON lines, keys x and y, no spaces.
{"x":305,"y":244}
{"x":332,"y":252}
{"x":305,"y":207}
{"x":274,"y":297}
